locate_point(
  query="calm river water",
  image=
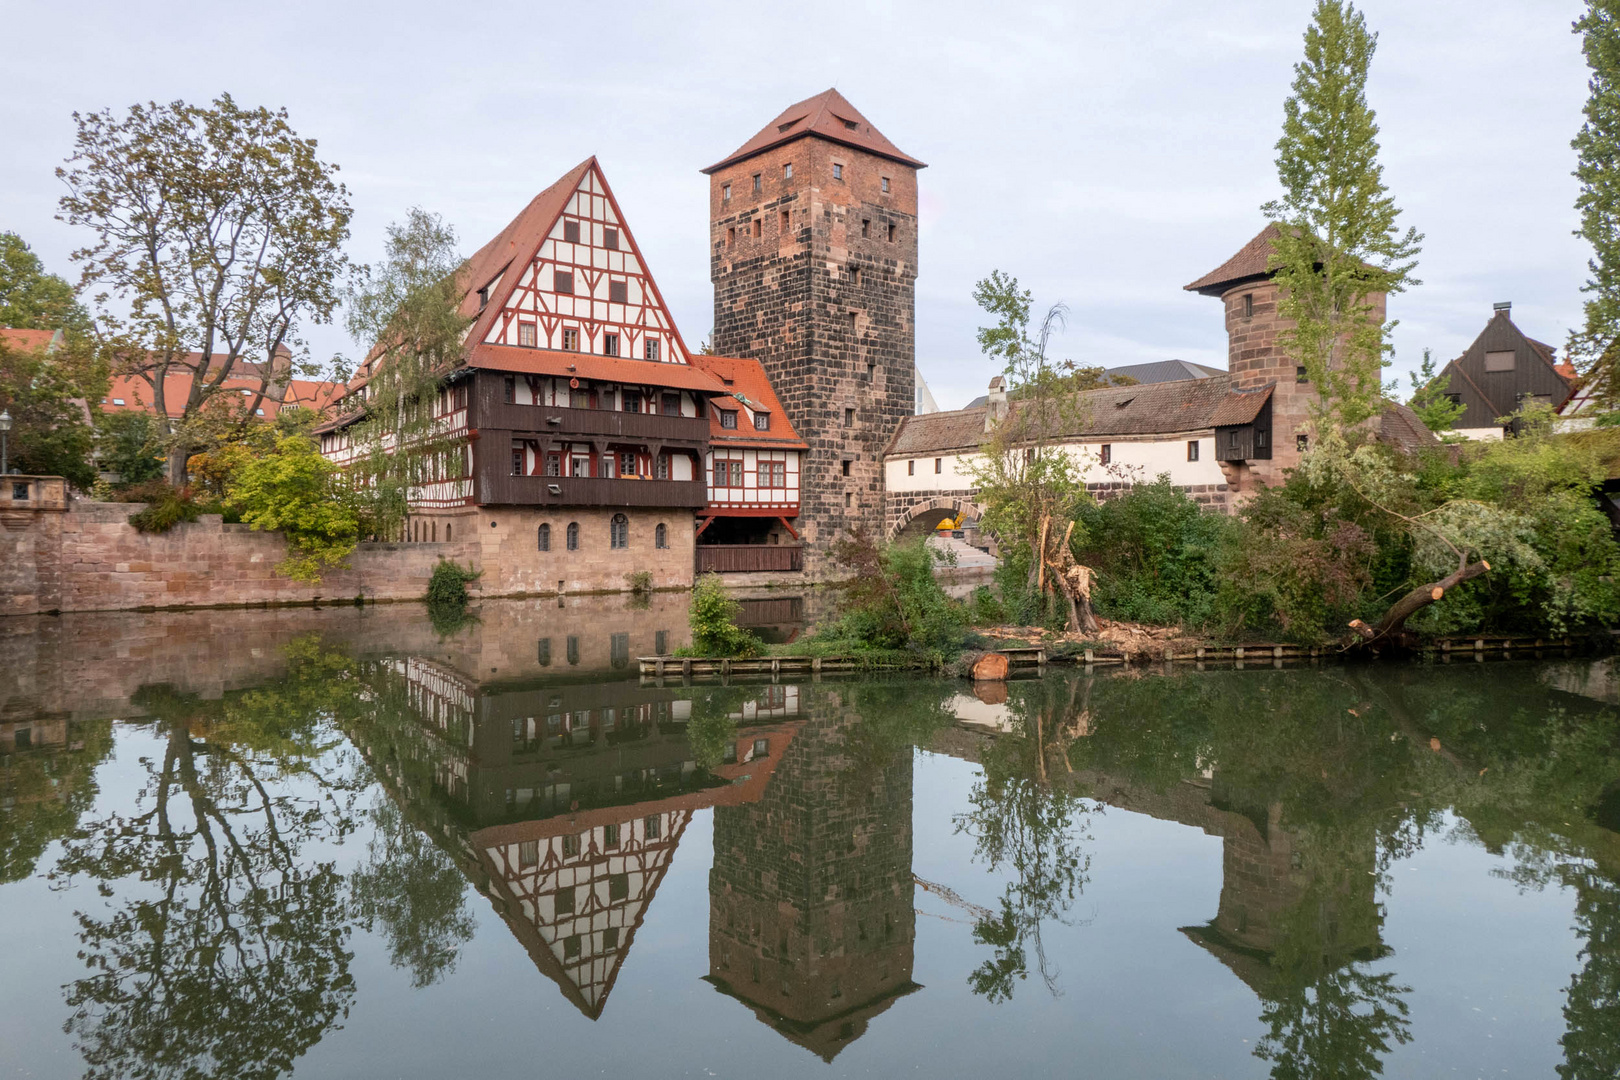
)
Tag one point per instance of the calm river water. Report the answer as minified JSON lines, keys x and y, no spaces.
{"x":345,"y":843}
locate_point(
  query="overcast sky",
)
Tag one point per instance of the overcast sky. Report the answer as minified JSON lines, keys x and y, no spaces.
{"x":1106,"y":154}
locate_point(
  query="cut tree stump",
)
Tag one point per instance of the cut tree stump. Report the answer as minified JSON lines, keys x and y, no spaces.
{"x":991,"y":667}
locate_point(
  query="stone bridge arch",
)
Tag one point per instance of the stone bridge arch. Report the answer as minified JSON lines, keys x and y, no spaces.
{"x":920,"y":513}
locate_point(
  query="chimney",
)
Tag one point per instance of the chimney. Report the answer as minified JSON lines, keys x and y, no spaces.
{"x":1502,"y":307}
{"x":995,"y":406}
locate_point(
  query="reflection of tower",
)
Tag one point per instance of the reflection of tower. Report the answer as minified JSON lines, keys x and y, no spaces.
{"x":811,"y":922}
{"x":1283,"y":895}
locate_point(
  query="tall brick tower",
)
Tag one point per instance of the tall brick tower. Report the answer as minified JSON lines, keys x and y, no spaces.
{"x":813,"y":255}
{"x":1244,"y":284}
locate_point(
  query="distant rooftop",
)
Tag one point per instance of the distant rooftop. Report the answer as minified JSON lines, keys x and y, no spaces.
{"x":1156,"y":371}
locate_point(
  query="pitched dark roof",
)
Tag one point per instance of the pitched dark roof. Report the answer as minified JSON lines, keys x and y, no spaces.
{"x":1165,"y":371}
{"x":1249,"y":264}
{"x":1240,"y":407}
{"x":827,"y":115}
{"x":1401,"y":427}
{"x":1150,"y":409}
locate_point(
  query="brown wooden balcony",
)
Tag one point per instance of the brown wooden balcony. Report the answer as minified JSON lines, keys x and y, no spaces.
{"x":749,"y":558}
{"x":586,"y":424}
{"x":497,"y":487}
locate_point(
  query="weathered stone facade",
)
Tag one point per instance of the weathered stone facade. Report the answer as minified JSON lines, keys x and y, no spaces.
{"x":811,"y":918}
{"x":814,"y":276}
{"x":87,"y":557}
{"x":1211,"y":498}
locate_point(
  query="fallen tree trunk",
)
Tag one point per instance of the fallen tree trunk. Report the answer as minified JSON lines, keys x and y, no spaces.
{"x":1416,"y":600}
{"x":1071,"y":579}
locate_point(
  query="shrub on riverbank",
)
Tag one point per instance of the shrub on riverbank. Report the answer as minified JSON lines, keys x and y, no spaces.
{"x":1155,"y":553}
{"x":891,"y":600}
{"x":714,"y":623}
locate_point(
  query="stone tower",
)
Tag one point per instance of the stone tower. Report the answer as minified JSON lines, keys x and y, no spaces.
{"x":813,"y":255}
{"x":1244,"y":284}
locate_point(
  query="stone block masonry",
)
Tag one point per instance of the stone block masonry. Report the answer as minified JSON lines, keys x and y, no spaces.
{"x":87,"y":557}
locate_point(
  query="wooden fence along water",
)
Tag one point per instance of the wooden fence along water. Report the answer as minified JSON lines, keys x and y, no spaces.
{"x":702,"y":669}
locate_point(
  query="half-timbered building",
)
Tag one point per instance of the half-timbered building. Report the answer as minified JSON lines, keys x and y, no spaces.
{"x":755,"y":473}
{"x":576,"y":430}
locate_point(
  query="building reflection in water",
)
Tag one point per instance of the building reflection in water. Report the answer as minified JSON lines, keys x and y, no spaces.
{"x":811,"y":922}
{"x":564,"y":804}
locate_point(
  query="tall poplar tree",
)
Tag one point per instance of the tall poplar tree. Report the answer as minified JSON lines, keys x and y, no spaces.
{"x":1339,"y":244}
{"x":1595,"y":346}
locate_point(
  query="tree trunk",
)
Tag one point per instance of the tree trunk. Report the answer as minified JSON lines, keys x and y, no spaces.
{"x":1416,"y":600}
{"x":177,"y":465}
{"x":1071,"y":579}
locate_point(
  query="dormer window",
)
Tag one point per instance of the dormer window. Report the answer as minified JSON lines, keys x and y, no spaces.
{"x":610,"y":239}
{"x":780,"y":128}
{"x":762,"y":421}
{"x":728,"y":419}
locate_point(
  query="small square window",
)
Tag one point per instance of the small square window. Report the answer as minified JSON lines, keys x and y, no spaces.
{"x":526,"y":334}
{"x":725,"y":192}
{"x":651,"y":827}
{"x":849,"y":499}
{"x":845,"y":466}
{"x":562,"y":281}
{"x":610,"y":344}
{"x":1192,"y":449}
{"x":571,"y":340}
{"x":885,"y":185}
{"x":483,"y":302}
{"x":1299,"y":374}
{"x":849,"y":417}
{"x":1248,"y":305}
{"x":1500,"y":361}
{"x":650,"y":351}
{"x":891,"y":232}
{"x":762,"y":747}
{"x":671,"y":405}
{"x":1261,"y":437}
{"x":509,"y":390}
{"x":787,"y":171}
{"x":565,"y":900}
{"x":866,"y":226}
{"x":571,"y":947}
{"x":1302,"y":443}
{"x":610,"y":938}
{"x":571,"y":845}
{"x":786,"y":222}
{"x":759,"y":226}
{"x":762,"y":421}
{"x":756,"y":183}
{"x":728,"y":419}
{"x":618,"y":887}
{"x":911,"y":468}
{"x":619,"y":292}
{"x":610,"y":836}
{"x":731,"y":235}
{"x":939,"y":466}
{"x":1105,"y":453}
{"x":571,"y":231}
{"x":838,"y":171}
{"x":610,"y":239}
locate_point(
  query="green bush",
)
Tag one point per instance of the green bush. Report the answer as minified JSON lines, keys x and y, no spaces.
{"x":1155,"y":554}
{"x":302,"y":495}
{"x":166,"y":507}
{"x":714,"y":623}
{"x":639,"y":581}
{"x":447,"y":588}
{"x":892,"y":601}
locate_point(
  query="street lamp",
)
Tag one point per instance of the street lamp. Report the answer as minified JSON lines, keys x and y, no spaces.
{"x":5,"y":426}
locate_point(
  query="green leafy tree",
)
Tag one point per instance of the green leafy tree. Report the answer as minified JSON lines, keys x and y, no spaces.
{"x":714,"y":622}
{"x":218,"y":233}
{"x":1595,"y":345}
{"x":406,"y":313}
{"x":1338,"y":243}
{"x":299,"y":493}
{"x":45,"y":390}
{"x":31,"y":299}
{"x":1029,"y":484}
{"x":1437,"y":411}
{"x":127,"y":444}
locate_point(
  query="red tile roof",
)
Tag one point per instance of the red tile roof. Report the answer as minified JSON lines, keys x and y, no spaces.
{"x":613,"y":369}
{"x":1240,"y":407}
{"x":136,"y":393}
{"x":28,"y":339}
{"x":746,"y":380}
{"x":1250,"y":263}
{"x":827,"y":115}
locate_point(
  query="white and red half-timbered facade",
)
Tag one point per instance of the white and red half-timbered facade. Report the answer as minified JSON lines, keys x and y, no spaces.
{"x":581,"y":441}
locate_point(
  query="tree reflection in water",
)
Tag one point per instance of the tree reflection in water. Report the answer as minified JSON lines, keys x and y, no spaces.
{"x":1021,"y":821}
{"x":224,"y":953}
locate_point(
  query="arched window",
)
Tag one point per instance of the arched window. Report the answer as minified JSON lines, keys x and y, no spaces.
{"x":661,"y":536}
{"x":619,"y":531}
{"x":545,"y":537}
{"x":573,"y":536}
{"x":447,"y":528}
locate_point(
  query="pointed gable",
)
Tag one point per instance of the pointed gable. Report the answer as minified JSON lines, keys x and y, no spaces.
{"x":1251,"y":263}
{"x":567,"y":274}
{"x":828,"y":115}
{"x":1501,"y":369}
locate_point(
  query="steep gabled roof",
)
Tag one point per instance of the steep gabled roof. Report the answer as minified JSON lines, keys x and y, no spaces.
{"x":514,"y":245}
{"x":1251,"y":263}
{"x":614,"y":369}
{"x":1240,"y":407}
{"x":749,"y":388}
{"x":827,"y":115}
